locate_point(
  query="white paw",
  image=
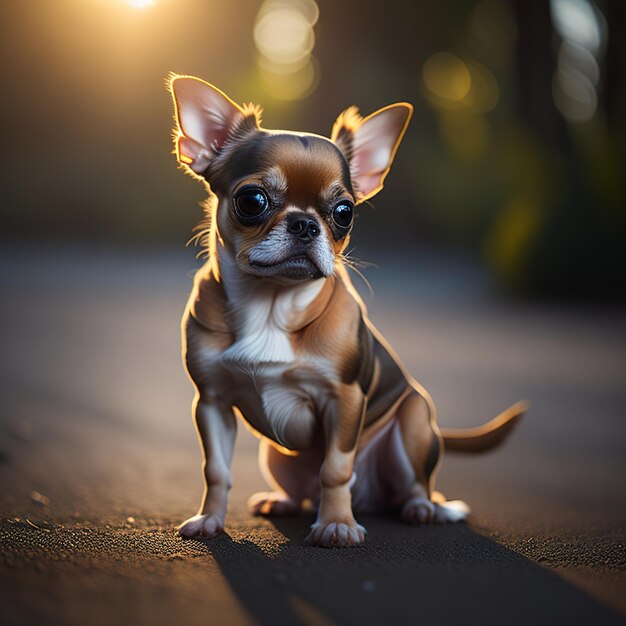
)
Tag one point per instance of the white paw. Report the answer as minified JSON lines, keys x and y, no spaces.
{"x":452,"y":511}
{"x":272,"y":503}
{"x":207,"y":526}
{"x":420,"y":510}
{"x":336,"y":535}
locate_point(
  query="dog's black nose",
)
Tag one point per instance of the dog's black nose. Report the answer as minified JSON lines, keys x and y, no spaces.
{"x":305,"y":228}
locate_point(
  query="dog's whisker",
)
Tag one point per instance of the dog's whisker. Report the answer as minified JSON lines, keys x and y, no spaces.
{"x":354,"y":267}
{"x":356,"y":262}
{"x":364,"y":279}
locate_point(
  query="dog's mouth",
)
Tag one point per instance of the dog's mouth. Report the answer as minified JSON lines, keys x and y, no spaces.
{"x":295,"y":268}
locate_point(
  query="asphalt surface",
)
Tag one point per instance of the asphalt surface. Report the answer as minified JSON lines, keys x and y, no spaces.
{"x":99,"y":460}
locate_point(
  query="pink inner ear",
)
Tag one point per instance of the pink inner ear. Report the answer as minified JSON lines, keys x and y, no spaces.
{"x":205,"y":118}
{"x":374,"y":145}
{"x":192,"y":154}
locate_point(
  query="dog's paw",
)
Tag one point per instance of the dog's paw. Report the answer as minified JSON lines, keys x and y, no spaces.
{"x":205,"y":526}
{"x":420,"y":510}
{"x":336,"y":535}
{"x":272,"y":503}
{"x":452,"y":511}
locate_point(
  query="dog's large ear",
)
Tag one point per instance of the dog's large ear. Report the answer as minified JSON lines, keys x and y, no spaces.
{"x":370,"y":144}
{"x":205,"y":118}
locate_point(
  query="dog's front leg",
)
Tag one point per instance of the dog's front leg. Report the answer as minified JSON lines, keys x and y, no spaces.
{"x":335,"y":525}
{"x":217,"y":426}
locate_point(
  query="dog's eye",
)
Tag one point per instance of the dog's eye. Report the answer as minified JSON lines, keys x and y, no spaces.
{"x":343,"y":213}
{"x":251,"y":203}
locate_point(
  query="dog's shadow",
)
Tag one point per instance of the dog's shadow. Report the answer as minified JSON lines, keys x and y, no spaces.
{"x":402,"y":575}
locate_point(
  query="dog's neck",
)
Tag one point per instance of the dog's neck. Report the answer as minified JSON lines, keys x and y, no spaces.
{"x":263,"y":314}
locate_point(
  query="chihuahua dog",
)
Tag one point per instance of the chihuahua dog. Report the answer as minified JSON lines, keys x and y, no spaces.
{"x":275,"y":333}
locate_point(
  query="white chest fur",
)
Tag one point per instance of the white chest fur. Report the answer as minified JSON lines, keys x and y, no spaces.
{"x":262,"y":314}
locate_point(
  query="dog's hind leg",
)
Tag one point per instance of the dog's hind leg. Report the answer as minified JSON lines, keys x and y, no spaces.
{"x":414,"y":451}
{"x":295,"y":478}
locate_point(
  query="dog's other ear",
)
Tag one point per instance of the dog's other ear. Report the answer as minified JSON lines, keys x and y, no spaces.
{"x":370,"y":144}
{"x":205,"y":119}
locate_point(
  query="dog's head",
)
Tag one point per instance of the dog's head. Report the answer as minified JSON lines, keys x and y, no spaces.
{"x":285,"y":200}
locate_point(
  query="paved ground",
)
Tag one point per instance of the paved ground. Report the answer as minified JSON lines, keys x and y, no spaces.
{"x":98,"y":460}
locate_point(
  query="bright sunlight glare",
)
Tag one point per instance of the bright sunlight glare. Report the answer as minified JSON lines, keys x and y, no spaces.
{"x":140,"y":4}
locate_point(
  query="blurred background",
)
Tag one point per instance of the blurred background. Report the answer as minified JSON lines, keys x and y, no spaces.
{"x":514,"y":158}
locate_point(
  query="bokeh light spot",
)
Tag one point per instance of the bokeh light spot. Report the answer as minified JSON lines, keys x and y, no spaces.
{"x":307,"y":8}
{"x":583,"y":29}
{"x":578,"y":21}
{"x":574,"y":95}
{"x":284,"y":37}
{"x":484,"y":92}
{"x":447,"y":76}
{"x":573,"y":56}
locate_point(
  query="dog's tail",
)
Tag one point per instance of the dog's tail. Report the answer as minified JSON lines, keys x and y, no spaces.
{"x":484,"y":437}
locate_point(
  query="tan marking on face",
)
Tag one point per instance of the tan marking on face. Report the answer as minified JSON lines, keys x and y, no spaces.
{"x":334,"y":191}
{"x":309,"y":170}
{"x":275,"y":180}
{"x":342,"y":244}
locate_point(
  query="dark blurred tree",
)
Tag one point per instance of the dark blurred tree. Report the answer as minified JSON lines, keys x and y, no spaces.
{"x":613,"y":96}
{"x":536,"y":64}
{"x":577,"y":247}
